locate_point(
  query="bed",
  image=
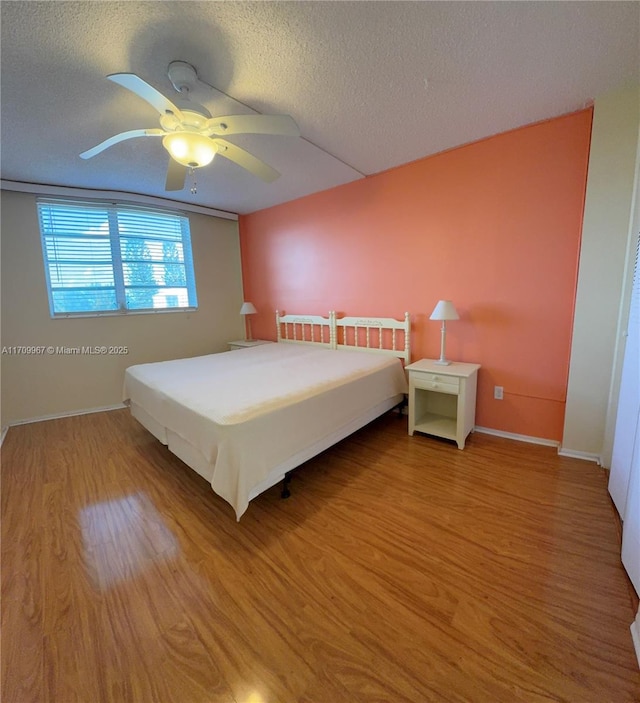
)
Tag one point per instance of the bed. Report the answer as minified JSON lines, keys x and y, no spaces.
{"x":244,"y":419}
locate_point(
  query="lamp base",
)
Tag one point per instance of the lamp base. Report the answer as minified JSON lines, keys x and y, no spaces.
{"x":442,"y":362}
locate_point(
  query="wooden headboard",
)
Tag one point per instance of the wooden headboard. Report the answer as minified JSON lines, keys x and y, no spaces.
{"x":378,"y":335}
{"x":306,"y":329}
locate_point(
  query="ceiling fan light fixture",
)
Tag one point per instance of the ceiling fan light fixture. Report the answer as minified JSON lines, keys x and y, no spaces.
{"x":190,"y":149}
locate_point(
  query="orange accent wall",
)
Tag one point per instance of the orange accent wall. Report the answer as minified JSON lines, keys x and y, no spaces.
{"x":494,"y":226}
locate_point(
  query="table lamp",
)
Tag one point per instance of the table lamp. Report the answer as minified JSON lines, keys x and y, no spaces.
{"x":246,"y":310}
{"x":444,"y":311}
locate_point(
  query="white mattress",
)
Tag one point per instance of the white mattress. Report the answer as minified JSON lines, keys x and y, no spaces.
{"x":248,"y":411}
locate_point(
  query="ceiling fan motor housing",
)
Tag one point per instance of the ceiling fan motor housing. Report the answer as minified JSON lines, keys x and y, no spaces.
{"x":183,"y":76}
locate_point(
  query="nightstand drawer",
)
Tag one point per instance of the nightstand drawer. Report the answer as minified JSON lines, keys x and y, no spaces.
{"x":436,"y":382}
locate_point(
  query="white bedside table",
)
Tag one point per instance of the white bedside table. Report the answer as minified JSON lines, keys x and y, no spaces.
{"x":245,"y":343}
{"x":442,"y":399}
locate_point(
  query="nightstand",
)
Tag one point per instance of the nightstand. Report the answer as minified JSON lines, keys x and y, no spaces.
{"x":245,"y":343}
{"x":442,"y":399}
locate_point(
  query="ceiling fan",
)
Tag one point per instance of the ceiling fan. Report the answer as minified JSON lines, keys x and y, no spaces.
{"x":190,"y":134}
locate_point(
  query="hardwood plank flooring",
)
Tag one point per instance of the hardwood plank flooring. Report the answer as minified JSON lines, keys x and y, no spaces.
{"x":401,"y":569}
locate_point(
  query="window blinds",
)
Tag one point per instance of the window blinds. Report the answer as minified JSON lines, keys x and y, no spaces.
{"x":104,"y":258}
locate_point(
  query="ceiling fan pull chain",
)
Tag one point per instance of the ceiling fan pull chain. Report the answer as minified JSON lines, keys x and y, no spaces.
{"x":194,"y":186}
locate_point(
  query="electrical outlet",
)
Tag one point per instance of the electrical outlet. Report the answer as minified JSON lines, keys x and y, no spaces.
{"x":498,"y":392}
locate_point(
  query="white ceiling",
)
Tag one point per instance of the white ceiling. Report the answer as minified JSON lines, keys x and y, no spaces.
{"x":371,"y":84}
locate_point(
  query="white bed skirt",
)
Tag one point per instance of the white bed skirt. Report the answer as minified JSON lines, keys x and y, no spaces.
{"x":193,"y":458}
{"x":242,"y":419}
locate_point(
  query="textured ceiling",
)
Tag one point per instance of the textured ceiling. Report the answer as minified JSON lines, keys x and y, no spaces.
{"x":371,"y":84}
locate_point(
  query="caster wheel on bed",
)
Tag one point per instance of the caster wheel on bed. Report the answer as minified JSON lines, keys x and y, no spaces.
{"x":285,"y":492}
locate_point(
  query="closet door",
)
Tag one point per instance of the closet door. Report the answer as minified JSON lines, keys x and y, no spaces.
{"x":631,"y":525}
{"x":624,"y":479}
{"x":625,"y":436}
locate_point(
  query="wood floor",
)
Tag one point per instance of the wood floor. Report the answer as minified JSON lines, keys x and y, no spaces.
{"x":401,"y":569}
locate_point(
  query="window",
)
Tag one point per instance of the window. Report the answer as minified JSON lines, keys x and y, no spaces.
{"x":103,"y":258}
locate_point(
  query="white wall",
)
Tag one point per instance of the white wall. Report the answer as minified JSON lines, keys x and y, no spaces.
{"x":38,"y":386}
{"x":603,"y":254}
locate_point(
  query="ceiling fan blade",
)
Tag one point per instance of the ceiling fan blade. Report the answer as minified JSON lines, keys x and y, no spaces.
{"x":147,"y":92}
{"x":176,"y":174}
{"x":131,"y":134}
{"x":248,"y":161}
{"x":253,"y":124}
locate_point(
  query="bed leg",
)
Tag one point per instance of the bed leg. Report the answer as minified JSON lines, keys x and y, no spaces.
{"x":285,"y":493}
{"x":401,"y":406}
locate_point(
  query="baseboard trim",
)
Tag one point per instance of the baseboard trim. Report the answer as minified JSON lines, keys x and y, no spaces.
{"x":635,"y":635}
{"x":70,"y":413}
{"x":585,"y":456}
{"x":3,"y":434}
{"x":518,"y":437}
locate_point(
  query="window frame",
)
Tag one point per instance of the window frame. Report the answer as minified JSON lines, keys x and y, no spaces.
{"x":115,"y":237}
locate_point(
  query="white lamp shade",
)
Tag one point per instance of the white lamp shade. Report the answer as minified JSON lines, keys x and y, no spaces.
{"x":444,"y":310}
{"x":248,"y":309}
{"x":190,"y":149}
